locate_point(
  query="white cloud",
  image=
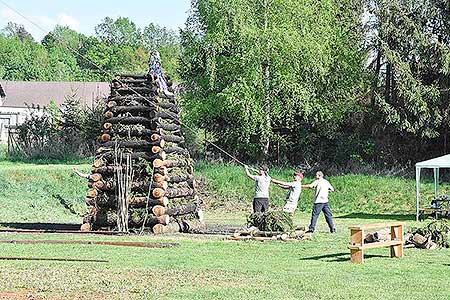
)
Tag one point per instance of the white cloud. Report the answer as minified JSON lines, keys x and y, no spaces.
{"x":45,"y":23}
{"x":66,"y":20}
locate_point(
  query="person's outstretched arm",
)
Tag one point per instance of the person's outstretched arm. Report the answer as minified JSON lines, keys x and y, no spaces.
{"x":311,"y":185}
{"x":281,"y":184}
{"x":82,"y":175}
{"x":247,"y":172}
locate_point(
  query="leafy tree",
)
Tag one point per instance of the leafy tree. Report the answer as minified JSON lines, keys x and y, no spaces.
{"x":121,"y":31}
{"x":257,"y":71}
{"x":17,"y":30}
{"x":410,"y":74}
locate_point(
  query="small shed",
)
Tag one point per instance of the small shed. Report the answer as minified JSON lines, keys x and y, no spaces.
{"x":435,"y":164}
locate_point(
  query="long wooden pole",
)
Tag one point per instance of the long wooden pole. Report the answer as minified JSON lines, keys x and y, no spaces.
{"x":102,"y":243}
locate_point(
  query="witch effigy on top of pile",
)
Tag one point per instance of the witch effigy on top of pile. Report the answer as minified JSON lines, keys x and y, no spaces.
{"x":142,"y":175}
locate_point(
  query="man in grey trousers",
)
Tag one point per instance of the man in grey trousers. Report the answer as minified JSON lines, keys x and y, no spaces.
{"x":322,"y":187}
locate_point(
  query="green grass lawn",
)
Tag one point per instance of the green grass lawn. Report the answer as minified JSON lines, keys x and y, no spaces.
{"x":209,"y":267}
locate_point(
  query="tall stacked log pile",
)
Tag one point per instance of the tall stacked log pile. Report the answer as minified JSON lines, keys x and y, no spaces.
{"x":143,"y":123}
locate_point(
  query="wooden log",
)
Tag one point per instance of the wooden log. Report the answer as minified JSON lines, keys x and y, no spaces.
{"x":89,"y":201}
{"x":101,"y":150}
{"x":180,"y":192}
{"x":109,"y":157}
{"x":109,"y":201}
{"x":131,"y":81}
{"x":185,"y":226}
{"x":166,"y":115}
{"x":111,"y":104}
{"x":159,"y":210}
{"x":172,"y":193}
{"x":107,"y":125}
{"x":116,"y":110}
{"x":92,"y":193}
{"x":135,"y":90}
{"x":167,"y":138}
{"x":142,"y":201}
{"x":98,"y":163}
{"x":105,"y":169}
{"x":105,"y":137}
{"x":175,"y":150}
{"x":135,"y":144}
{"x":135,"y":186}
{"x":156,"y":149}
{"x":131,"y":132}
{"x":192,"y":225}
{"x":172,"y":227}
{"x":104,"y":185}
{"x":175,"y":179}
{"x":158,"y":193}
{"x":128,"y":120}
{"x":157,"y":163}
{"x":109,"y":218}
{"x":179,"y":178}
{"x":157,"y":123}
{"x":95,"y":177}
{"x":134,"y":76}
{"x":109,"y":114}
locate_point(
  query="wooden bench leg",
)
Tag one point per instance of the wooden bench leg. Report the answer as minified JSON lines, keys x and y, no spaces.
{"x":357,"y":256}
{"x":397,"y":234}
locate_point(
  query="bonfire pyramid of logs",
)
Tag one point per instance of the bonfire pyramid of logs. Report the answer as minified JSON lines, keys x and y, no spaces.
{"x":142,"y":174}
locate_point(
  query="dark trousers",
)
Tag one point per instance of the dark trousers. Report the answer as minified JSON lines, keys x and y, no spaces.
{"x":317,"y":208}
{"x":260,"y":204}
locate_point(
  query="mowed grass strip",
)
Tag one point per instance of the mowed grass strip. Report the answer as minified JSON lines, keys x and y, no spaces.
{"x":210,"y":267}
{"x":213,"y":268}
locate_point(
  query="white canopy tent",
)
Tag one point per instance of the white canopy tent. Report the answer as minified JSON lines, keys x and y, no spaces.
{"x":435,"y":164}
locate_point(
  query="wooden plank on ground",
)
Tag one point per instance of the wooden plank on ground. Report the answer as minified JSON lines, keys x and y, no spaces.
{"x":375,"y":225}
{"x":102,"y":243}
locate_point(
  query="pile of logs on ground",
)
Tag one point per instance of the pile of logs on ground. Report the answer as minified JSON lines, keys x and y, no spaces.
{"x":253,"y":233}
{"x":142,"y":123}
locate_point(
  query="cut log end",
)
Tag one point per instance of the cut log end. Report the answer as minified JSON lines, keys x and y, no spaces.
{"x":95,"y":177}
{"x":159,"y":178}
{"x":107,"y":125}
{"x":158,"y":210}
{"x":158,"y":229}
{"x":105,"y":137}
{"x":111,"y":104}
{"x":92,"y":193}
{"x":109,"y":114}
{"x":85,"y":227}
{"x":156,"y":149}
{"x":158,"y":193}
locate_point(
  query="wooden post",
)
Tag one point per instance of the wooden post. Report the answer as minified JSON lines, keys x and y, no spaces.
{"x":397,"y":234}
{"x":356,"y":239}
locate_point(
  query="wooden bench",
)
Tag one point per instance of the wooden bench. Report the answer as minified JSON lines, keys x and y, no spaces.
{"x":357,"y":245}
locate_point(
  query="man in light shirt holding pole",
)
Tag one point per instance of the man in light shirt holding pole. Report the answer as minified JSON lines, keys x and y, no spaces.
{"x":262,"y":183}
{"x":322,"y":187}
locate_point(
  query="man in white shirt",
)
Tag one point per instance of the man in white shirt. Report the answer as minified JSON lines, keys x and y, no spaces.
{"x":323,"y":187}
{"x":262,"y":183}
{"x":294,"y":191}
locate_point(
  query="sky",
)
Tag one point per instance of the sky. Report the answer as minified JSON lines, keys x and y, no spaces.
{"x":84,"y":15}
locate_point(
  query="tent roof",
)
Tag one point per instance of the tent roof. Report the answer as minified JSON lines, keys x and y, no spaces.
{"x":438,"y":162}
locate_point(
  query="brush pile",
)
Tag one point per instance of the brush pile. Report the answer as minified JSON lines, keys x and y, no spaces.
{"x":434,"y":234}
{"x":271,"y":225}
{"x":271,"y":221}
{"x":142,"y":174}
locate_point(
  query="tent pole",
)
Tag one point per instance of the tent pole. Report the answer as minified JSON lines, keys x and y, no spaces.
{"x":436,"y":181}
{"x":417,"y":192}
